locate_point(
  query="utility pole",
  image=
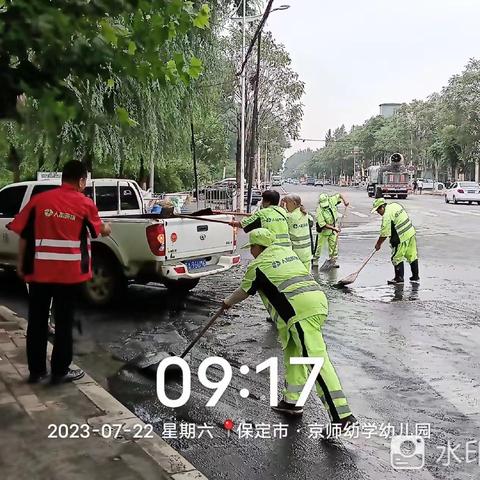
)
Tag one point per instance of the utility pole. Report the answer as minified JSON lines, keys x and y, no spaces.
{"x":253,"y":139}
{"x":241,"y":180}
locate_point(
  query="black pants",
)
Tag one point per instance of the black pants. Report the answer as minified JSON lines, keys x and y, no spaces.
{"x":40,"y":297}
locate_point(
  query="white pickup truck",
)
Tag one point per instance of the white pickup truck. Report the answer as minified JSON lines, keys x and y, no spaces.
{"x":142,"y":248}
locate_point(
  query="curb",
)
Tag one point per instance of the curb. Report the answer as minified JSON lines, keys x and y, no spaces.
{"x":166,"y":457}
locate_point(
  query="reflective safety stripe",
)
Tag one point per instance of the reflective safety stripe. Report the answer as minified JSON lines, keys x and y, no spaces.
{"x":294,"y":388}
{"x":282,"y":235}
{"x":298,"y":246}
{"x":403,"y":224}
{"x":294,"y":238}
{"x":298,"y":291}
{"x":343,"y":409}
{"x":284,"y":244}
{"x":46,"y":242}
{"x":406,"y":229}
{"x":337,"y":394}
{"x":63,"y":257}
{"x":294,"y":280}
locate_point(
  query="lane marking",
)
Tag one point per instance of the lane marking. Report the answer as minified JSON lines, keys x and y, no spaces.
{"x":472,"y":213}
{"x":431,"y":214}
{"x":451,"y":213}
{"x":358,"y":214}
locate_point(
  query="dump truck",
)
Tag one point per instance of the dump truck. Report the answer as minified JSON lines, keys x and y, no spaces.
{"x":389,"y":180}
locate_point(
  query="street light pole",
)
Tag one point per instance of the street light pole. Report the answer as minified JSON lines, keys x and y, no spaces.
{"x":241,"y":180}
{"x":241,"y":192}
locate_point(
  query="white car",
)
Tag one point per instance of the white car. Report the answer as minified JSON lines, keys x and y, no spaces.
{"x":143,"y":247}
{"x":463,"y":192}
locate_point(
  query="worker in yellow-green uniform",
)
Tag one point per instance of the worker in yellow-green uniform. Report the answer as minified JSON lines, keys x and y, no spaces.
{"x":300,"y":228}
{"x":327,"y":226}
{"x":299,"y":308}
{"x":397,"y":225}
{"x":270,"y":216}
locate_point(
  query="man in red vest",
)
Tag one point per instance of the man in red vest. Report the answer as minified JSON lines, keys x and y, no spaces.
{"x":55,"y":229}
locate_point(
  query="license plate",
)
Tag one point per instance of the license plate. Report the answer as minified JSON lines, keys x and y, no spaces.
{"x":471,"y":191}
{"x":195,"y":264}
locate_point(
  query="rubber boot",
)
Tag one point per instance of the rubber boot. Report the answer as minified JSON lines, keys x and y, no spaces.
{"x":399,"y":272}
{"x":414,"y":267}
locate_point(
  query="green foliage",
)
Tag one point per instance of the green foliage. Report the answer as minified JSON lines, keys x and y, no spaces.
{"x":296,"y":164}
{"x":45,"y":43}
{"x":440,"y":134}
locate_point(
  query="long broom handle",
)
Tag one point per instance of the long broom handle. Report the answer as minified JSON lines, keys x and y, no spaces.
{"x":213,"y":220}
{"x":202,"y":332}
{"x":366,"y":261}
{"x":236,"y":214}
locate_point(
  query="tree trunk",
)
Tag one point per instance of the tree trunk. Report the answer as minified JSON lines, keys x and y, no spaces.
{"x":253,"y":140}
{"x":14,"y":163}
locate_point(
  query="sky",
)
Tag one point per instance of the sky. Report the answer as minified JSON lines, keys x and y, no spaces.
{"x":355,"y":54}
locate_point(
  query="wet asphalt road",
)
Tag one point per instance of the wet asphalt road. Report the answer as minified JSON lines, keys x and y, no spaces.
{"x":404,"y":355}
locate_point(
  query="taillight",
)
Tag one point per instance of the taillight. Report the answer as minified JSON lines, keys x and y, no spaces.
{"x":236,"y":260}
{"x":180,"y":270}
{"x":156,"y":239}
{"x":460,"y":190}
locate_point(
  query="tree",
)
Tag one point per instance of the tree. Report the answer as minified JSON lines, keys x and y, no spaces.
{"x":44,"y":44}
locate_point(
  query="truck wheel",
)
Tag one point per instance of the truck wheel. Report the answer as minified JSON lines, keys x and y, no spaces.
{"x":181,"y":286}
{"x":107,"y":283}
{"x":455,"y":200}
{"x":402,"y":197}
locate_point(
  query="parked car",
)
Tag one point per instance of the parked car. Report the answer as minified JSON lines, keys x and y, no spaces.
{"x":256,"y":195}
{"x":463,"y":192}
{"x":430,"y":184}
{"x":142,"y":248}
{"x":318,"y":183}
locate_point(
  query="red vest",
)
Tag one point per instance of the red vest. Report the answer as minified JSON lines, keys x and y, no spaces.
{"x":57,"y":226}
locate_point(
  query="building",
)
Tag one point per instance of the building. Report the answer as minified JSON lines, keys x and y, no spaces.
{"x":388,"y":110}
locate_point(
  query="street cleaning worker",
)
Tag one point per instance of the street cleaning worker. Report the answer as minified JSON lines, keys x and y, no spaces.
{"x":397,"y":225}
{"x":270,"y":216}
{"x":299,"y":308}
{"x":300,"y":228}
{"x":327,"y":230}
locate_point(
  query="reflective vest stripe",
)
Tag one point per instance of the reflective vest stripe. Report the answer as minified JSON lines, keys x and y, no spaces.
{"x":282,"y":235}
{"x":293,"y":281}
{"x":298,"y":246}
{"x":298,"y":291}
{"x":63,"y":257}
{"x":406,"y":229}
{"x":294,"y":238}
{"x":398,"y":227}
{"x":283,"y":244}
{"x":46,"y":242}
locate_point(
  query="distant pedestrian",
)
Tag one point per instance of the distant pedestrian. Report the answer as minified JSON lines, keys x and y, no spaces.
{"x":415,"y":186}
{"x":55,"y":228}
{"x":420,"y":187}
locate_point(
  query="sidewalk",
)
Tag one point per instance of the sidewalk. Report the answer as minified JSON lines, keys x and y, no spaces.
{"x":28,"y":414}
